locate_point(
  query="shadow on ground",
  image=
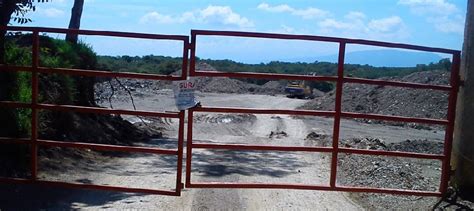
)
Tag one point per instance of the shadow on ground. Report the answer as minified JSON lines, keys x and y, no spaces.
{"x":35,"y":197}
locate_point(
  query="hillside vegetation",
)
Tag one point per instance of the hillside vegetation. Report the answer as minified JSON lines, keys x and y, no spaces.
{"x":167,"y":65}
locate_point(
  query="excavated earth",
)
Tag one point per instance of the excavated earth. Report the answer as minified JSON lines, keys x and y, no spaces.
{"x":395,"y":101}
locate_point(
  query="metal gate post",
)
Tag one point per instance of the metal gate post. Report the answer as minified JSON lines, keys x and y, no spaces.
{"x":337,"y":115}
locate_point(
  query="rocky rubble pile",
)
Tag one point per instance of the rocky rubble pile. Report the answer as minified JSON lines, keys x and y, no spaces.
{"x":392,"y":100}
{"x":204,"y":84}
{"x":390,"y":172}
{"x":225,"y":118}
{"x":418,"y":146}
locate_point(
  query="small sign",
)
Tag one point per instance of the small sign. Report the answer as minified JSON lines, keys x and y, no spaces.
{"x":184,"y":94}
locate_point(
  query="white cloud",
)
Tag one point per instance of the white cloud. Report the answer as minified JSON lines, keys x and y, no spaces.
{"x":430,"y":6}
{"x":211,"y":14}
{"x":51,"y":12}
{"x":385,"y":24}
{"x":356,"y":25}
{"x":355,"y":15}
{"x":332,"y":24}
{"x":447,"y":24}
{"x":157,"y":17}
{"x":278,"y":8}
{"x":308,"y":13}
{"x":223,"y":14}
{"x":444,"y":16}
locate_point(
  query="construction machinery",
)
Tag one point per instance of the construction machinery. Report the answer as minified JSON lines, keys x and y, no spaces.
{"x":299,"y":89}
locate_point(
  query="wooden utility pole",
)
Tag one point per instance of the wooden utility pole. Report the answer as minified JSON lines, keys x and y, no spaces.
{"x":463,"y":148}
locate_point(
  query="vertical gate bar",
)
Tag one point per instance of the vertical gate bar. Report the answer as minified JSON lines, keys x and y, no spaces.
{"x":448,"y":139}
{"x":34,"y":102}
{"x":337,"y":115}
{"x":189,"y":143}
{"x":184,"y":68}
{"x":192,"y":62}
{"x":180,"y":153}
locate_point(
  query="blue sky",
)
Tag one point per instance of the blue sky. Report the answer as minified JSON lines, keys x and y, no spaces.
{"x":436,"y":23}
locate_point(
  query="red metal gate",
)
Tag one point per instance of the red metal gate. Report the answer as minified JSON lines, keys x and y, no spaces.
{"x":337,"y":114}
{"x":35,"y":142}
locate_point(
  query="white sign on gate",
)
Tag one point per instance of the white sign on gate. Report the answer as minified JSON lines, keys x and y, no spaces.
{"x":184,"y":94}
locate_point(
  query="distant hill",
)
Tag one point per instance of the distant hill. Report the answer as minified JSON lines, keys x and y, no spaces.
{"x":386,"y":58}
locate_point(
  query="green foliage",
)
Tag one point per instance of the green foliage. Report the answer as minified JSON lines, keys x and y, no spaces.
{"x":22,"y":7}
{"x":324,"y":68}
{"x":146,"y":64}
{"x":53,"y":53}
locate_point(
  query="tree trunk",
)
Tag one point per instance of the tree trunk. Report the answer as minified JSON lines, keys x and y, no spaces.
{"x":75,"y":22}
{"x":85,"y":85}
{"x":8,"y":124}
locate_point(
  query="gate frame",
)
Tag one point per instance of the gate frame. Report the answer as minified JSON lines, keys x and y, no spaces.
{"x":340,"y":79}
{"x":337,"y":113}
{"x":34,"y":142}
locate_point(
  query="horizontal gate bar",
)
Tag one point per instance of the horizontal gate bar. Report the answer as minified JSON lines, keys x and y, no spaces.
{"x":92,"y":73}
{"x":320,"y":38}
{"x":321,"y":113}
{"x":87,"y":186}
{"x":258,"y":185}
{"x":97,"y":73}
{"x":393,"y":118}
{"x":85,"y":109}
{"x":260,"y":147}
{"x":93,"y":146}
{"x":7,"y":140}
{"x":388,"y":191}
{"x":107,"y":147}
{"x":99,"y":33}
{"x":396,"y":83}
{"x":275,"y":76}
{"x":318,"y":149}
{"x":11,"y":104}
{"x":313,"y":187}
{"x":263,"y":111}
{"x":390,"y":153}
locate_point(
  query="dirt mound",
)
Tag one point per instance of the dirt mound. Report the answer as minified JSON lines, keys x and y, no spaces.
{"x":385,"y":171}
{"x":392,"y":100}
{"x":419,"y":146}
{"x":364,"y":143}
{"x":390,"y":172}
{"x":204,"y":84}
{"x":227,"y":85}
{"x":271,"y":88}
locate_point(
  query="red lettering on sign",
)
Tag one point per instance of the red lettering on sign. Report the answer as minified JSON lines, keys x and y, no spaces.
{"x":186,"y":85}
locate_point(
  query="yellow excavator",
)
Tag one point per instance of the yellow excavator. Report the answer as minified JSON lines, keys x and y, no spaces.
{"x":299,"y":89}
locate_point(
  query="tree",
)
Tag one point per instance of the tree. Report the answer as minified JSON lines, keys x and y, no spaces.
{"x":75,"y":21}
{"x":85,"y":85}
{"x":16,"y":10}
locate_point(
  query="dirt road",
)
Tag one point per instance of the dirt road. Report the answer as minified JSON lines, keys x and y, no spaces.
{"x":234,"y":166}
{"x":230,"y":166}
